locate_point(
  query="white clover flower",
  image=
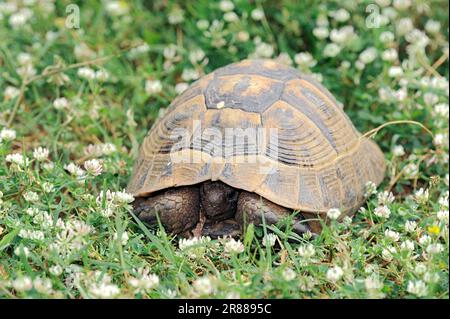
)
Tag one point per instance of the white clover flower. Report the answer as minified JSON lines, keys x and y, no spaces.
{"x":439,"y":139}
{"x":108,"y":148}
{"x":74,"y":170}
{"x":418,"y":288}
{"x":322,"y":20}
{"x":407,"y":245}
{"x":370,"y":189}
{"x":420,"y":268}
{"x":385,"y":94}
{"x":387,"y":37}
{"x":44,"y":219}
{"x":242,"y":36}
{"x":433,"y":26}
{"x":139,"y":50}
{"x":20,"y":18}
{"x":104,"y":290}
{"x":197,"y":55}
{"x":55,"y":270}
{"x":176,"y":15}
{"x":189,"y":74}
{"x":194,"y":247}
{"x":22,"y":250}
{"x":335,"y":273}
{"x":398,"y":150}
{"x":395,"y":71}
{"x":230,"y":17}
{"x":401,"y":94}
{"x":340,"y":15}
{"x":116,"y":8}
{"x":331,"y":50}
{"x":233,"y":246}
{"x":31,"y":196}
{"x":101,"y":75}
{"x":11,"y":92}
{"x":430,"y":98}
{"x":61,"y":103}
{"x":93,"y":167}
{"x":43,"y":285}
{"x":226,"y":5}
{"x":153,"y":87}
{"x":435,"y":248}
{"x":343,"y":35}
{"x":373,"y":286}
{"x":83,"y":52}
{"x":26,"y":71}
{"x":203,"y":286}
{"x":410,"y":226}
{"x":421,"y":196}
{"x":123,"y":237}
{"x":289,"y":274}
{"x":24,"y":58}
{"x":32,"y":211}
{"x":307,"y":283}
{"x":321,"y":33}
{"x":392,"y":235}
{"x":404,"y":26}
{"x":442,"y":215}
{"x":144,"y":281}
{"x":368,"y":55}
{"x":86,"y":73}
{"x":257,"y":14}
{"x":333,"y":213}
{"x":382,"y":211}
{"x":40,"y":154}
{"x":269,"y":240}
{"x":424,"y":240}
{"x":7,"y":134}
{"x":264,"y":50}
{"x":122,"y":197}
{"x":202,"y":24}
{"x":385,"y":198}
{"x":418,"y":38}
{"x":48,"y":166}
{"x":22,"y":283}
{"x":17,"y":159}
{"x":305,"y":59}
{"x":389,"y":55}
{"x":306,"y":251}
{"x":387,"y":253}
{"x":402,"y":4}
{"x":181,"y":87}
{"x":360,"y":65}
{"x":411,"y":170}
{"x":284,"y":58}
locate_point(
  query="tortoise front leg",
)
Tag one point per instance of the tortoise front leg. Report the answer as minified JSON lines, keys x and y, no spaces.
{"x":251,"y":207}
{"x":178,"y":208}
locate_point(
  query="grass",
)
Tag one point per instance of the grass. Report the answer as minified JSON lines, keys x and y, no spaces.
{"x":88,"y":96}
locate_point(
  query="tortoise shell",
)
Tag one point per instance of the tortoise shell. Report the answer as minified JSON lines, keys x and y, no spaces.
{"x":321,"y":160}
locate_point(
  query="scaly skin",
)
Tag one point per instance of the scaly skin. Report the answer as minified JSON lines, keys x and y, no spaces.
{"x":251,"y":207}
{"x":179,"y":210}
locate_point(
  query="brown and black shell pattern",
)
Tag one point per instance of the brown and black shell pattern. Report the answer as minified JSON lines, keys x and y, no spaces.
{"x":321,"y":162}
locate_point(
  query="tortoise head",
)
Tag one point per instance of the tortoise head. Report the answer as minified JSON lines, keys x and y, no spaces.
{"x":218,"y":200}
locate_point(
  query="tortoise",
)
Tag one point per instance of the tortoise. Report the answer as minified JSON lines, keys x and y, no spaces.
{"x":203,"y":180}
